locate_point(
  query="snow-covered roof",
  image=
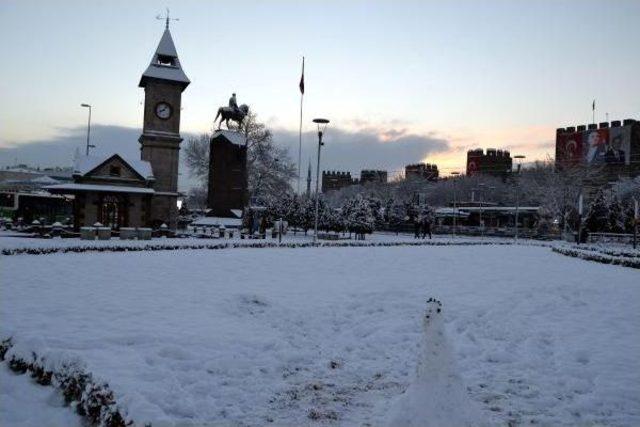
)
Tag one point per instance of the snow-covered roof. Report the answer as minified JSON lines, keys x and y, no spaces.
{"x":215,"y":220}
{"x":499,"y":208}
{"x":159,"y":70}
{"x":232,"y":136}
{"x":85,"y":164}
{"x":451,"y":212}
{"x":44,"y":180}
{"x":72,"y":187}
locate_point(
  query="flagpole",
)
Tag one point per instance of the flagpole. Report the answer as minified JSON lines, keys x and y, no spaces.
{"x":300,"y":131}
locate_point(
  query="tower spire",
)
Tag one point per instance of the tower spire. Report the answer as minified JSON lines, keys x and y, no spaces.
{"x":165,"y":64}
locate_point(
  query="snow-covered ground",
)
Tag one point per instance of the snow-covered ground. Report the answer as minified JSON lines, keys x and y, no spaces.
{"x":23,"y":403}
{"x":333,"y":335}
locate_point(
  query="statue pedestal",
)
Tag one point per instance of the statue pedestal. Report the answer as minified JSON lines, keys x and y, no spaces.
{"x":228,"y":186}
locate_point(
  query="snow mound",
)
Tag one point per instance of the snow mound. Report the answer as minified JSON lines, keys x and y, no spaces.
{"x":437,"y":396}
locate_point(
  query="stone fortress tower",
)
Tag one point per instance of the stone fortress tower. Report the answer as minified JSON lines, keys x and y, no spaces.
{"x":163,"y":83}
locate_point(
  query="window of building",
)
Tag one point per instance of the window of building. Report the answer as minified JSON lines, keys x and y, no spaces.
{"x":114,"y":170}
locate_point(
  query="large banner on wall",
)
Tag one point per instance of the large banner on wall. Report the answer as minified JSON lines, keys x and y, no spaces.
{"x":618,"y":150}
{"x":595,"y":144}
{"x":570,"y":148}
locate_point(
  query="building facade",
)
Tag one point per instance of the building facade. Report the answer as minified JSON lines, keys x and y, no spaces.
{"x":332,"y":180}
{"x":426,"y":171}
{"x":492,"y":162}
{"x":614,"y":147}
{"x":118,"y":192}
{"x":374,"y":176}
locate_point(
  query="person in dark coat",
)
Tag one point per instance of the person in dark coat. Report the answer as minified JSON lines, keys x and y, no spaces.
{"x":426,"y":227}
{"x":416,"y":227}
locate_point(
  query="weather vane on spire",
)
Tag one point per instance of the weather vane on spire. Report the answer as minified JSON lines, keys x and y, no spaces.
{"x":167,"y":18}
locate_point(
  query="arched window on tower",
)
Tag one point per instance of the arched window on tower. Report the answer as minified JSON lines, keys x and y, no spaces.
{"x":166,"y":60}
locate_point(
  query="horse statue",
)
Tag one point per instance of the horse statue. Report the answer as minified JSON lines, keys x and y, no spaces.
{"x":228,"y":113}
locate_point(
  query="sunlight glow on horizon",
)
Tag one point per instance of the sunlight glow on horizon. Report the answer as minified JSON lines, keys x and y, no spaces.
{"x":497,"y":74}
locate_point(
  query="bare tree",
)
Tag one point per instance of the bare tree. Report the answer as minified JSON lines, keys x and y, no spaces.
{"x":196,"y":154}
{"x":197,"y":198}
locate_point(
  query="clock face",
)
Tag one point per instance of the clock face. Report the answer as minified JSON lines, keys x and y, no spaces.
{"x":163,"y":110}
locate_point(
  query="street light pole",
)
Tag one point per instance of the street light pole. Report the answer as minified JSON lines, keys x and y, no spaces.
{"x":518,"y":157}
{"x":481,"y":188}
{"x":455,"y":210}
{"x":322,"y":124}
{"x":636,"y":219}
{"x":88,"y":128}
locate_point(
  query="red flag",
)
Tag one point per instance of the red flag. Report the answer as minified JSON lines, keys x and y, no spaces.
{"x":302,"y":78}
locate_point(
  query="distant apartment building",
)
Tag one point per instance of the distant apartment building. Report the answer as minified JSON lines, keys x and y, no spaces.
{"x":492,"y":162}
{"x":374,"y":176}
{"x":426,"y":171}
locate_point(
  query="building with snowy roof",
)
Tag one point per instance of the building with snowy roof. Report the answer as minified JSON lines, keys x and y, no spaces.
{"x":120,"y":192}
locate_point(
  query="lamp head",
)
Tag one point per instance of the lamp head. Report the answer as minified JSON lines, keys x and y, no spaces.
{"x":85,"y":105}
{"x":322,"y":125}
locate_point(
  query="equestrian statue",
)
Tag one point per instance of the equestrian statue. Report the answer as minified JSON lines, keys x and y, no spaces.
{"x":232,"y":112}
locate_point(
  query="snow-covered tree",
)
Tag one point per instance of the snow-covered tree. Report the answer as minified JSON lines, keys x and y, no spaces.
{"x":617,"y":220}
{"x":597,"y":219}
{"x":359,"y":217}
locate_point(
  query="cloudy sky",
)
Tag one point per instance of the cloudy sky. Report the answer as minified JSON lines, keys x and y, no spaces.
{"x":401,"y":81}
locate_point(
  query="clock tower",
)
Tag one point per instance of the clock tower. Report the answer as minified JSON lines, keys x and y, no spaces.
{"x":163,"y":83}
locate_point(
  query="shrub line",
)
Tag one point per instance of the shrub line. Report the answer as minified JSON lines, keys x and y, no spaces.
{"x":597,"y":257}
{"x":233,"y":245}
{"x":91,"y":399}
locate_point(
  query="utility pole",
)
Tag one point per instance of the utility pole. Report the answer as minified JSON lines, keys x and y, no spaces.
{"x":455,"y":209}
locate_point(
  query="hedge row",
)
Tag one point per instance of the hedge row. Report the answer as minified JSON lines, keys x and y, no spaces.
{"x":618,"y":252}
{"x":598,"y":257}
{"x":90,"y":398}
{"x":230,"y":245}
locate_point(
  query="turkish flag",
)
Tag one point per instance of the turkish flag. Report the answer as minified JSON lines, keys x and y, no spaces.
{"x":302,"y":78}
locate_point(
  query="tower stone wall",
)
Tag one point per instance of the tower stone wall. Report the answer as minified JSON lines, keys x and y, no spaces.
{"x":163,"y":83}
{"x":228,"y":185}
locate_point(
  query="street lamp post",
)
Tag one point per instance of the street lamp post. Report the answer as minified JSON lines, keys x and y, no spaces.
{"x":480,"y":188}
{"x":518,"y":158}
{"x":455,"y":210}
{"x":88,"y":128}
{"x":636,"y":219}
{"x":322,"y":124}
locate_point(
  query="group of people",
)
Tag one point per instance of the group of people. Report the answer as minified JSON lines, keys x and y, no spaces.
{"x":422,"y":226}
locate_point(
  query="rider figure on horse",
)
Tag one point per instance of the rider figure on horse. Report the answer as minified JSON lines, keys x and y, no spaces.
{"x":232,"y":112}
{"x":233,"y":104}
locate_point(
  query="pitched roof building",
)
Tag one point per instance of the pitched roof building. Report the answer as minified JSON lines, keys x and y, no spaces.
{"x":119,"y":192}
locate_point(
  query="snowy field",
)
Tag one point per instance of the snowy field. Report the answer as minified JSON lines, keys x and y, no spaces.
{"x":332,"y":335}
